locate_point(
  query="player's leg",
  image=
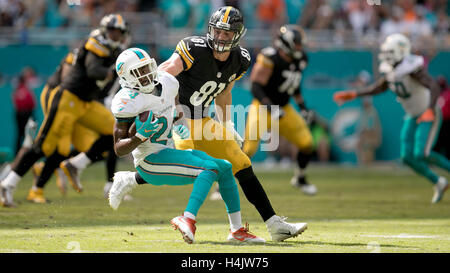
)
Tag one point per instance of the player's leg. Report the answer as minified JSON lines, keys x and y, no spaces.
{"x":294,"y":128}
{"x":425,"y":137}
{"x":216,"y":144}
{"x":63,"y":110}
{"x":100,"y":120}
{"x":253,"y":128}
{"x":230,"y":193}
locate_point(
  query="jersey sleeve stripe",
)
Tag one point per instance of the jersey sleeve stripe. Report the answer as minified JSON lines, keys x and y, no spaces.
{"x":187,"y":52}
{"x":240,"y":76}
{"x":69,"y":58}
{"x":184,"y":56}
{"x":94,"y":46}
{"x":264,"y":61}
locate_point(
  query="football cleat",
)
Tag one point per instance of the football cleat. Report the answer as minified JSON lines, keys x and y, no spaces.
{"x":186,"y":226}
{"x":106,"y":189}
{"x":243,"y":235}
{"x":73,"y":175}
{"x":122,"y":185}
{"x":6,"y":196}
{"x":215,"y":195}
{"x":280,"y":230}
{"x":439,"y":189}
{"x":305,"y":187}
{"x":37,"y":196}
{"x":61,"y":181}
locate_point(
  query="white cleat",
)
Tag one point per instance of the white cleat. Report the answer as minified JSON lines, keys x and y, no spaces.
{"x":280,"y":230}
{"x":186,"y":226}
{"x":439,"y":189}
{"x":215,"y":196}
{"x":243,"y":235}
{"x":308,"y":189}
{"x":107,"y":188}
{"x":6,"y":196}
{"x":123,"y":184}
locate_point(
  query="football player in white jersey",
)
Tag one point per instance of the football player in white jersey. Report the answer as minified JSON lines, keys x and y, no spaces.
{"x":405,"y":74}
{"x":144,"y":110}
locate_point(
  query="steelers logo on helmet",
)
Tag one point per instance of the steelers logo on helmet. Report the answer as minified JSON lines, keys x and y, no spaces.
{"x":115,"y":29}
{"x":137,"y":70}
{"x":225,"y":29}
{"x":290,"y":39}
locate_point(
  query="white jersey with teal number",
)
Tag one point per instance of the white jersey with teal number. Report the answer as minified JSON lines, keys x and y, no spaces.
{"x":129,"y":103}
{"x":414,"y":97}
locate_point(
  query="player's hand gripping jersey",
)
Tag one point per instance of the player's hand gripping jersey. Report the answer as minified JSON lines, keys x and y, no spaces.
{"x":414,"y":97}
{"x":204,"y":77}
{"x":286,"y":76}
{"x":128,"y":104}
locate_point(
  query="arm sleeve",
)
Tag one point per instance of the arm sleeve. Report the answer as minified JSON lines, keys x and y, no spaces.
{"x":95,"y":68}
{"x":426,"y":80}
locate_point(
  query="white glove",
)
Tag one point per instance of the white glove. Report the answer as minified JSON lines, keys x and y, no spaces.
{"x":182,"y":131}
{"x":230,"y":127}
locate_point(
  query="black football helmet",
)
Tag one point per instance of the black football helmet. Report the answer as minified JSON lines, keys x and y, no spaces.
{"x":288,"y":38}
{"x":114,"y":21}
{"x":229,"y":19}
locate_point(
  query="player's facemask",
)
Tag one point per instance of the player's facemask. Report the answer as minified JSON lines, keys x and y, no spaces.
{"x":145,"y":76}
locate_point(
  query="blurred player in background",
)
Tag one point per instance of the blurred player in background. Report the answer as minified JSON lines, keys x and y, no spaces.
{"x":207,"y":68}
{"x":74,"y":102}
{"x":275,"y":78}
{"x":146,"y":90}
{"x":406,"y":75}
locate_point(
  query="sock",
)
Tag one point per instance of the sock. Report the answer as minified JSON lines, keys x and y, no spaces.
{"x":202,"y":185}
{"x":80,"y":161}
{"x":235,"y":220}
{"x":111,"y":161}
{"x":189,"y":215}
{"x":439,"y":160}
{"x":11,"y":180}
{"x":51,"y":164}
{"x":102,"y":144}
{"x":255,"y":193}
{"x":229,"y":191}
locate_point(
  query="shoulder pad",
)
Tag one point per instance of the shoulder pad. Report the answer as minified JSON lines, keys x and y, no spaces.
{"x":124,"y":105}
{"x":97,"y":45}
{"x":189,"y":48}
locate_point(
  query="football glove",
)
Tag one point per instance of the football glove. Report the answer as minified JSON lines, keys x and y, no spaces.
{"x":427,"y":116}
{"x":182,"y":131}
{"x":344,"y":96}
{"x":145,"y":129}
{"x":229,"y":125}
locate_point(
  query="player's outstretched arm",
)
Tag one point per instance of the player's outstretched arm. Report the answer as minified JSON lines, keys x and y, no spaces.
{"x":381,"y":85}
{"x":173,"y":65}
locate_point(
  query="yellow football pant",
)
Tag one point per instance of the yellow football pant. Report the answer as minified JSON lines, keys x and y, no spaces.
{"x":292,"y":126}
{"x":211,"y":137}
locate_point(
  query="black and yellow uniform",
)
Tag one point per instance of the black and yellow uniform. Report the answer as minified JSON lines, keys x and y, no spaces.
{"x":203,"y":78}
{"x":82,"y":137}
{"x":283,"y":83}
{"x":73,"y":101}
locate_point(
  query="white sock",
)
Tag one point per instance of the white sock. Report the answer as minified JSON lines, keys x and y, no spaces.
{"x":235,"y":221}
{"x":189,"y":215}
{"x":271,"y":220}
{"x":80,"y":161}
{"x":11,"y":180}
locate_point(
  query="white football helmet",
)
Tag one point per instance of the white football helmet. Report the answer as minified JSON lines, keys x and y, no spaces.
{"x":396,"y":47}
{"x":137,"y":70}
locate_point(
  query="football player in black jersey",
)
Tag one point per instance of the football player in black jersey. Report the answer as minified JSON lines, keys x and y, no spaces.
{"x":275,"y":79}
{"x":207,"y":68}
{"x":74,"y":102}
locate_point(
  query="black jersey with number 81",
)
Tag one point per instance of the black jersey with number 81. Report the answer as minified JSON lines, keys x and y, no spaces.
{"x":204,"y":77}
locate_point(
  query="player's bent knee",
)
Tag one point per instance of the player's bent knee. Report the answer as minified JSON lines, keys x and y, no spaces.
{"x":241,"y":164}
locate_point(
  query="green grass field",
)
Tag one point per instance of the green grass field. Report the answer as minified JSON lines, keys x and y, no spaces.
{"x":378,"y":209}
